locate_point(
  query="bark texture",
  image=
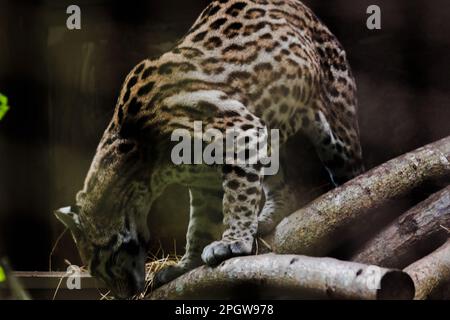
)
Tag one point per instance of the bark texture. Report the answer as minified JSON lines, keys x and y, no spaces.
{"x":415,"y":233}
{"x":317,"y":228}
{"x":289,"y":276}
{"x":431,"y":274}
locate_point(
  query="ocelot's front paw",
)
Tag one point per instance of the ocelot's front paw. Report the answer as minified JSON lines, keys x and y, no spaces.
{"x":168,"y":274}
{"x":218,"y":251}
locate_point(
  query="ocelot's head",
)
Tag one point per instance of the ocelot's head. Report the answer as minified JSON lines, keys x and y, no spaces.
{"x":108,"y":222}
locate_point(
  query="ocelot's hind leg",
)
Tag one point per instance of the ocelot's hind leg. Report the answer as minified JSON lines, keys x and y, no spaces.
{"x":279,"y":202}
{"x":337,"y":143}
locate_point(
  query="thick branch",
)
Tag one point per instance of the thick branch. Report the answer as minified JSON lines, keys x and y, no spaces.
{"x":317,"y":228}
{"x":431,"y":273}
{"x":290,"y":276}
{"x":413,"y":234}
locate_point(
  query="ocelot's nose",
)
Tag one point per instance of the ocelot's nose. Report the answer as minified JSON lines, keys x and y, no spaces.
{"x":136,"y":280}
{"x":127,"y":289}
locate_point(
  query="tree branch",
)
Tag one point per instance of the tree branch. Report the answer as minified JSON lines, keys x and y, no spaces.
{"x":414,"y":234}
{"x":431,"y":273}
{"x":317,"y":228}
{"x":289,"y":276}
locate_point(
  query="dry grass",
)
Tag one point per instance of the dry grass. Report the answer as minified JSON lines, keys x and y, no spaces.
{"x":156,"y":262}
{"x":153,"y":267}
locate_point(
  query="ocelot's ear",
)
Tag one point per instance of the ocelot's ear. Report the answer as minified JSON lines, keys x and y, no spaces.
{"x":69,"y":216}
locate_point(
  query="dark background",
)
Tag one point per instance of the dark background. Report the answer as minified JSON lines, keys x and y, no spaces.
{"x":62,"y":86}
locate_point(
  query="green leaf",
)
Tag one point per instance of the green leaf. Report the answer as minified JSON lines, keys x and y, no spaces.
{"x":3,"y":106}
{"x":2,"y":275}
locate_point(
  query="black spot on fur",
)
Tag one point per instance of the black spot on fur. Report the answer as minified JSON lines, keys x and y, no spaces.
{"x":131,"y":82}
{"x":251,"y":177}
{"x":243,"y":75}
{"x":233,"y":47}
{"x":284,"y":108}
{"x":139,"y":68}
{"x":134,"y":106}
{"x":231,"y":199}
{"x":205,"y":105}
{"x":236,"y":8}
{"x":260,"y":26}
{"x":210,"y":11}
{"x":233,"y":184}
{"x":167,"y":68}
{"x":218,"y":23}
{"x":213,"y":42}
{"x":145,"y":89}
{"x":230,"y":114}
{"x":126,"y":96}
{"x":252,"y":190}
{"x":266,"y":36}
{"x":147,"y":72}
{"x":242,"y":197}
{"x":200,"y":36}
{"x":263,"y":67}
{"x":235,"y":26}
{"x":255,"y":13}
{"x":239,"y":172}
{"x":247,"y":127}
{"x":120,"y":114}
{"x":190,"y":53}
{"x":333,"y":91}
{"x":214,"y":10}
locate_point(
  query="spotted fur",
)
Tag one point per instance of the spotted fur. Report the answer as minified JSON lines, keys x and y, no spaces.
{"x":245,"y":64}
